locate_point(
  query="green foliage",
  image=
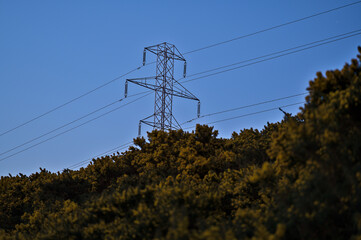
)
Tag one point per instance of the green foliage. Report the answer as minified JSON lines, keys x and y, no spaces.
{"x":320,"y":159}
{"x":297,"y":179}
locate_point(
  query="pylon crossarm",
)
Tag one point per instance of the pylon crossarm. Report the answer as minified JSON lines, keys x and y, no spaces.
{"x":143,"y":79}
{"x":179,"y":55}
{"x":184,"y":95}
{"x":145,"y":122}
{"x":179,"y":92}
{"x":149,"y":123}
{"x":186,"y":92}
{"x":143,"y":82}
{"x":147,"y":117}
{"x":176,"y":55}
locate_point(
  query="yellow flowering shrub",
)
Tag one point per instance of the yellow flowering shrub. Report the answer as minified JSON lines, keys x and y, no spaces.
{"x":296,"y":179}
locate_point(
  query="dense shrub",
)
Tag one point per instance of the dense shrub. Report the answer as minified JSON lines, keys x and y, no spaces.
{"x":297,"y":179}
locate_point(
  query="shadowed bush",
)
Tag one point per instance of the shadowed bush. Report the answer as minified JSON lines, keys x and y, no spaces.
{"x":297,"y":179}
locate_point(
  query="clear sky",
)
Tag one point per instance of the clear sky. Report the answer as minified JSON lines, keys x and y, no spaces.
{"x":54,"y":51}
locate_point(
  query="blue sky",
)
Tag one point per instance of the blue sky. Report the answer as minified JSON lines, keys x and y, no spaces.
{"x":54,"y":51}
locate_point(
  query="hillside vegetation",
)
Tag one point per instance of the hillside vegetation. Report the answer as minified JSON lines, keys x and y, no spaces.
{"x":296,"y":179}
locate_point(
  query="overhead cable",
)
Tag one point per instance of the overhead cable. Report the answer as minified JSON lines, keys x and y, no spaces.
{"x":189,"y":52}
{"x":321,"y":43}
{"x":274,"y":57}
{"x":249,"y":114}
{"x":61,"y":133}
{"x":63,"y":126}
{"x":243,"y":107}
{"x":68,"y":102}
{"x":274,"y":27}
{"x":274,"y":53}
{"x":227,"y":119}
{"x":101,"y":154}
{"x":67,"y":124}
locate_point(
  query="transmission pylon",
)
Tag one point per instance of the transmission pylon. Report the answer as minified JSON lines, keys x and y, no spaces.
{"x":165,"y":87}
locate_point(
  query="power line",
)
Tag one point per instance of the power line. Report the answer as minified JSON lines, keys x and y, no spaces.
{"x":121,"y":147}
{"x":274,"y":27}
{"x":255,"y":104}
{"x":322,"y":42}
{"x":199,"y":49}
{"x":267,"y":59}
{"x":227,"y":119}
{"x":61,"y":133}
{"x":68,"y":102}
{"x":243,"y":107}
{"x":192,"y":51}
{"x":105,"y":153}
{"x":101,"y":154}
{"x":129,"y":143}
{"x":274,"y":53}
{"x":249,"y":114}
{"x":67,"y":124}
{"x":97,"y":110}
{"x":271,"y":58}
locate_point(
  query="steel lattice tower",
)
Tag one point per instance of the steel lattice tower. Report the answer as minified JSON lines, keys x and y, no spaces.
{"x":164,"y":85}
